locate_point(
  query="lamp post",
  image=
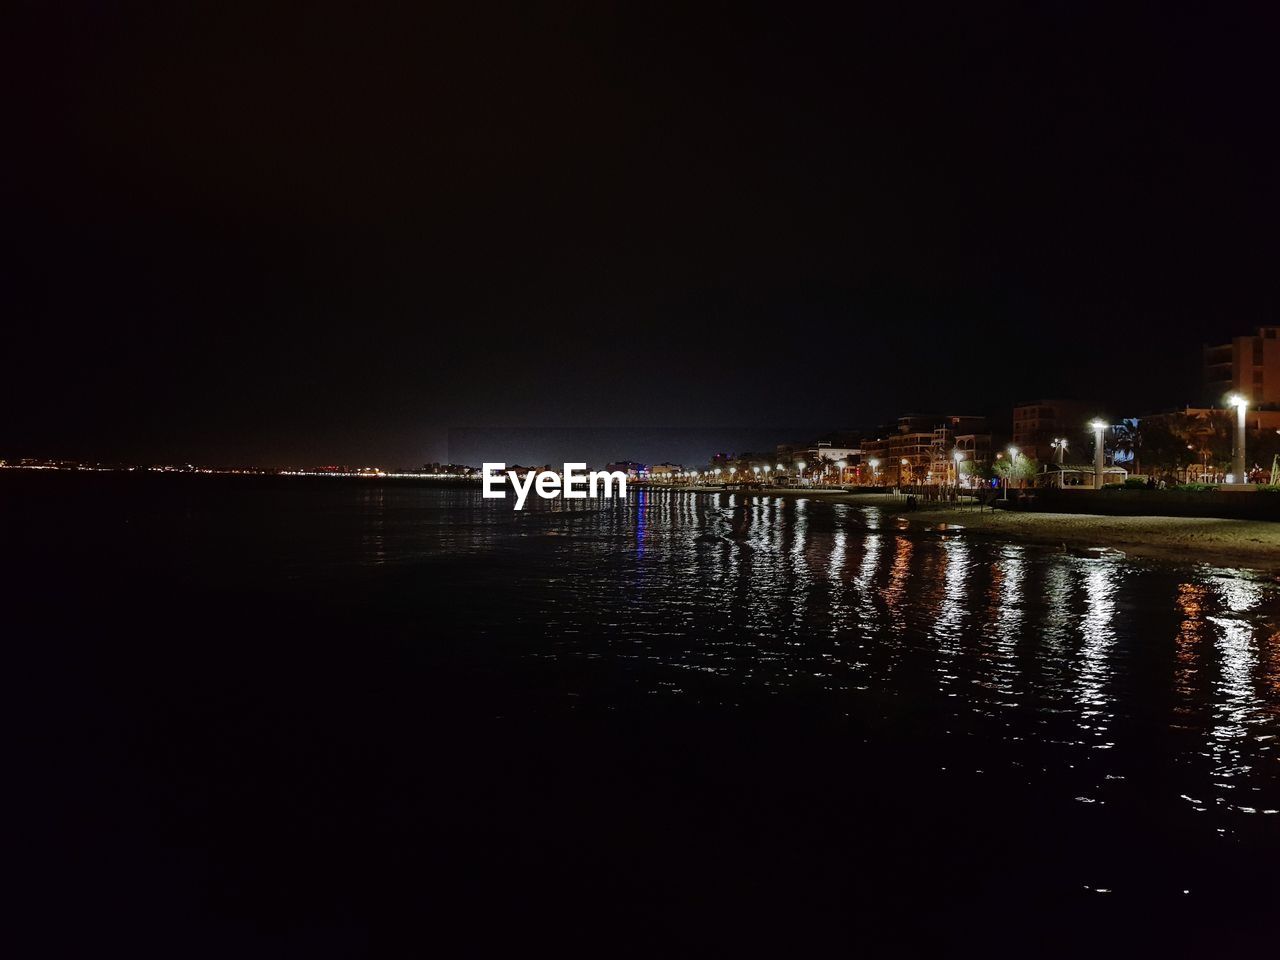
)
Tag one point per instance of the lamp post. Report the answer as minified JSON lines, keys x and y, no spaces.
{"x":1237,"y":448}
{"x":840,"y":465}
{"x":875,"y":470}
{"x":957,"y":456}
{"x":1098,"y":464}
{"x":1013,"y":462}
{"x":800,"y":471}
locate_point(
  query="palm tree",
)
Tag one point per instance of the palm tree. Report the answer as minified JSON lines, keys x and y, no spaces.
{"x":1128,"y":439}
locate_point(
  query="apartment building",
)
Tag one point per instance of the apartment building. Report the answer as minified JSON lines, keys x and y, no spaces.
{"x":1249,"y":366}
{"x":1036,"y":425}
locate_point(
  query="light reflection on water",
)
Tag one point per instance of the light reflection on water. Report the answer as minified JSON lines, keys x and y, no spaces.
{"x":1095,"y":662}
{"x":1085,"y":665}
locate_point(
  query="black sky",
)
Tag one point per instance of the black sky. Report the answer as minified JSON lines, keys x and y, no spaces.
{"x":329,"y":233}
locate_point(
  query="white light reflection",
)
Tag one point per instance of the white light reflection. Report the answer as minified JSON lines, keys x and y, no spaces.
{"x":1098,"y":636}
{"x":1008,"y":624}
{"x":800,"y":563}
{"x":949,"y":627}
{"x":868,"y":616}
{"x":1237,"y":706}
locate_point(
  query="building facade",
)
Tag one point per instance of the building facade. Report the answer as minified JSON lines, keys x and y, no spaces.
{"x":1249,"y":366}
{"x":1036,"y":425}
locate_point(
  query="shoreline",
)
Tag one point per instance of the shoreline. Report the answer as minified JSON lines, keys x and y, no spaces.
{"x":1236,"y":543}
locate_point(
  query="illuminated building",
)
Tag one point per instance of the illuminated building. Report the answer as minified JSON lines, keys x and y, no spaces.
{"x":1249,"y":366}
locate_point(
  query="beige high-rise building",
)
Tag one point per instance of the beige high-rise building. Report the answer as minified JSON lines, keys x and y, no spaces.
{"x":1249,"y":366}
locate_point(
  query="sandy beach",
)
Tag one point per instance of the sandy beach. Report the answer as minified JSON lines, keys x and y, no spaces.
{"x":1249,"y":543}
{"x":1252,"y":543}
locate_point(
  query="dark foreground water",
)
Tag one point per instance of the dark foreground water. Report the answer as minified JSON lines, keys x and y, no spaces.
{"x":322,"y":718}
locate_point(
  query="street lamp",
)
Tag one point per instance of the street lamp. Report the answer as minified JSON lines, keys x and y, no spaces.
{"x":957,"y":456}
{"x":875,"y":469}
{"x":800,"y":470}
{"x":1013,"y":462}
{"x":1098,"y":464}
{"x":1059,"y":449}
{"x":1237,"y":448}
{"x":840,"y":465}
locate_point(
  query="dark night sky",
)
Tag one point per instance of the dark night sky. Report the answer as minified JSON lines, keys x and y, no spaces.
{"x":330,"y":233}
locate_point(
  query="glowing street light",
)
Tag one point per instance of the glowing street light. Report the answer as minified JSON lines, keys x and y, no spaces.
{"x":1098,"y":464}
{"x":957,"y":456}
{"x":800,"y":469}
{"x":1059,"y":449}
{"x":1237,"y":448}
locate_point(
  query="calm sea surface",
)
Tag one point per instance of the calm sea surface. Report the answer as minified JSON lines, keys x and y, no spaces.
{"x":244,"y":694}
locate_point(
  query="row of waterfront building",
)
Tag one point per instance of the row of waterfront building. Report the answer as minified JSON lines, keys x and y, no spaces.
{"x":1054,"y":433}
{"x":944,"y":448}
